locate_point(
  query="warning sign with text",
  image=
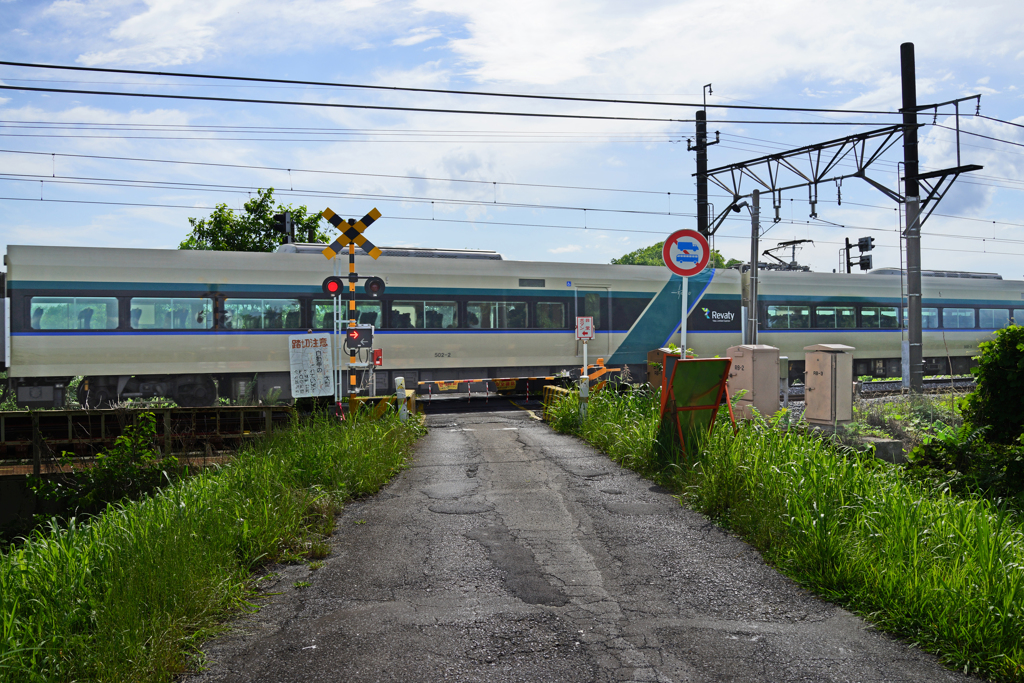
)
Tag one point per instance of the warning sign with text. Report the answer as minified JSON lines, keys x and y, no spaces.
{"x":312,"y":371}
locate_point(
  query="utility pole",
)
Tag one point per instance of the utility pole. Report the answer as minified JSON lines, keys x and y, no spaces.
{"x":702,"y":164}
{"x":913,"y":232}
{"x":755,"y":235}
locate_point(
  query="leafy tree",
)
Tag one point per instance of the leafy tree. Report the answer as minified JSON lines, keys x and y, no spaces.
{"x":226,"y":230}
{"x":651,"y":256}
{"x":998,"y":400}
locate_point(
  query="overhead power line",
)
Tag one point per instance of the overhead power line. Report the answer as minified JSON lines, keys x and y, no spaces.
{"x":342,"y":173}
{"x":444,"y":91}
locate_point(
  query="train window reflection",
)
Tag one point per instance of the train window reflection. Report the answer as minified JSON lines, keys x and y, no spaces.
{"x":171,"y":314}
{"x":550,"y":315}
{"x":496,"y":315}
{"x":367,"y":313}
{"x":958,"y":318}
{"x":993,"y":318}
{"x":789,"y":317}
{"x":929,"y":318}
{"x":262,"y":314}
{"x":836,"y":317}
{"x":1018,"y":316}
{"x":880,"y":317}
{"x":73,"y":313}
{"x":420,"y":315}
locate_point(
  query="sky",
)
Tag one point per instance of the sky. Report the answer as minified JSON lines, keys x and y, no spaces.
{"x":126,"y":171}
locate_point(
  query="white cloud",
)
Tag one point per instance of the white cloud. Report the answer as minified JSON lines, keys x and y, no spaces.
{"x":566,"y":249}
{"x":416,"y":36}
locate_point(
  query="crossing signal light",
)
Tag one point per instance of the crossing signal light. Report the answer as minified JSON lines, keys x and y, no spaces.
{"x":360,"y":337}
{"x":374,"y":286}
{"x":333,"y":285}
{"x":865,"y":244}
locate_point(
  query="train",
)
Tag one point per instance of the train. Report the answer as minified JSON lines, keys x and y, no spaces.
{"x":198,"y":326}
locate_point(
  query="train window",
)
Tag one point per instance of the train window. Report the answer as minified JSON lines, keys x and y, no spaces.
{"x":171,"y":314}
{"x":929,"y":318}
{"x":958,"y":318}
{"x":880,"y":317}
{"x":1018,"y":316}
{"x":430,"y":315}
{"x":836,"y":317}
{"x":789,"y":317}
{"x":367,"y":313}
{"x":263,"y":314}
{"x":993,"y":318}
{"x":73,"y":313}
{"x":496,"y":315}
{"x":550,"y":315}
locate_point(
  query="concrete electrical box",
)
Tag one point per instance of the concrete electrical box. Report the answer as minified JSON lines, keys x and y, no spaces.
{"x":755,"y":368}
{"x":658,"y":361}
{"x":828,"y":384}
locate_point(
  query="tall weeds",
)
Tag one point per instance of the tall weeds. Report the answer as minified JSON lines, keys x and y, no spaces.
{"x":944,"y":571}
{"x":123,"y":595}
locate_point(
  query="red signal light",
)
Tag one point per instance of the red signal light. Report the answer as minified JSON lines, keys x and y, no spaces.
{"x":332,"y":286}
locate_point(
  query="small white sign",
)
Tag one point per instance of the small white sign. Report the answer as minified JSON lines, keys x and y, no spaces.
{"x":585,"y":327}
{"x":312,"y":371}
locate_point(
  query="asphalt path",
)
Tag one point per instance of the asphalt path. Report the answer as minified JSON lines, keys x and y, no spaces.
{"x":508,"y":552}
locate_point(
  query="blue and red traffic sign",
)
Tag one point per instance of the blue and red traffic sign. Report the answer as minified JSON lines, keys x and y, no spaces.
{"x":686,"y":252}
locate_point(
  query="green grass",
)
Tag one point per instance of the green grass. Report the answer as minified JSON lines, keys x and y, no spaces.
{"x":945,"y":572}
{"x":128,"y":594}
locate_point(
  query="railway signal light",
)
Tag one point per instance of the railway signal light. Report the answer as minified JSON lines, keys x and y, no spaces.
{"x":333,"y":285}
{"x":282,"y":223}
{"x":359,"y":337}
{"x":374,"y":286}
{"x":866,"y":244}
{"x":865,"y":262}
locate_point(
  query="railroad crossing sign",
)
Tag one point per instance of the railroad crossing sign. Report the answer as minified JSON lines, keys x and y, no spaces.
{"x":351,"y":233}
{"x":686,"y":252}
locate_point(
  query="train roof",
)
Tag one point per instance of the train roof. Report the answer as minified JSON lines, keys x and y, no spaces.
{"x":941,"y":273}
{"x":418,"y":252}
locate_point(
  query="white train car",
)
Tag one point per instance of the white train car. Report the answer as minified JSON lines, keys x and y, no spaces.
{"x":195,"y":325}
{"x":192,"y":325}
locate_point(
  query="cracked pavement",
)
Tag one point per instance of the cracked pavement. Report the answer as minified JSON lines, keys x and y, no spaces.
{"x":508,"y":552}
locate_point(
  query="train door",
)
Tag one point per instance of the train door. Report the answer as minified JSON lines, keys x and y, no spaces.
{"x":595,"y":301}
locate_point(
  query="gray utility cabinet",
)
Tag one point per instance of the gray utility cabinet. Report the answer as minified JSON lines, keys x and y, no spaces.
{"x":755,"y":368}
{"x":828,"y":384}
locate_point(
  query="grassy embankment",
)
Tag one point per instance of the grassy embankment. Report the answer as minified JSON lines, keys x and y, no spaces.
{"x":128,"y":594}
{"x":944,"y":571}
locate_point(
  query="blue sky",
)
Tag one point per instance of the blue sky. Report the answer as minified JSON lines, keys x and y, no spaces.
{"x":413,"y":166}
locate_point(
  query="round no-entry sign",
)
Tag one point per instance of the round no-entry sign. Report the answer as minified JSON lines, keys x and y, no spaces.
{"x":686,"y":252}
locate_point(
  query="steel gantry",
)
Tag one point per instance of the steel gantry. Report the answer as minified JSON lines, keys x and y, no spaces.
{"x":812,"y":165}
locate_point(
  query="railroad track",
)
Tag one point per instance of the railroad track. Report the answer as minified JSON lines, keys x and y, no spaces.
{"x":896,"y":387}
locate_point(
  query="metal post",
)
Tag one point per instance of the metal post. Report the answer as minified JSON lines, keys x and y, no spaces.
{"x":684,"y":294}
{"x":702,"y":173}
{"x":37,"y":445}
{"x":755,"y":235}
{"x":913,"y":231}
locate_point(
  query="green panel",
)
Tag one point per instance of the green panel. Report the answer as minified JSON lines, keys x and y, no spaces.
{"x":696,"y":383}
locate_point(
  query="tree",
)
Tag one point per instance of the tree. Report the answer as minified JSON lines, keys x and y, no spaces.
{"x":226,"y":230}
{"x":651,"y":256}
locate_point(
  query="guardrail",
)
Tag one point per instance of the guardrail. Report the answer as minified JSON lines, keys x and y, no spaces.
{"x":31,"y":435}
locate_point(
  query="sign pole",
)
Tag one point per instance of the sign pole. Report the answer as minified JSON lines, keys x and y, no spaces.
{"x":682,"y":323}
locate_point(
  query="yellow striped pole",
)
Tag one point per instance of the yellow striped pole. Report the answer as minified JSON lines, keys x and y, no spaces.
{"x":351,"y":315}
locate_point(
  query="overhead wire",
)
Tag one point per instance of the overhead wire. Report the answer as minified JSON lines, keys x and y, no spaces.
{"x":445,"y":91}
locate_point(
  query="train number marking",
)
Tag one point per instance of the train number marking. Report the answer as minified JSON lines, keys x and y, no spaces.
{"x":442,"y":354}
